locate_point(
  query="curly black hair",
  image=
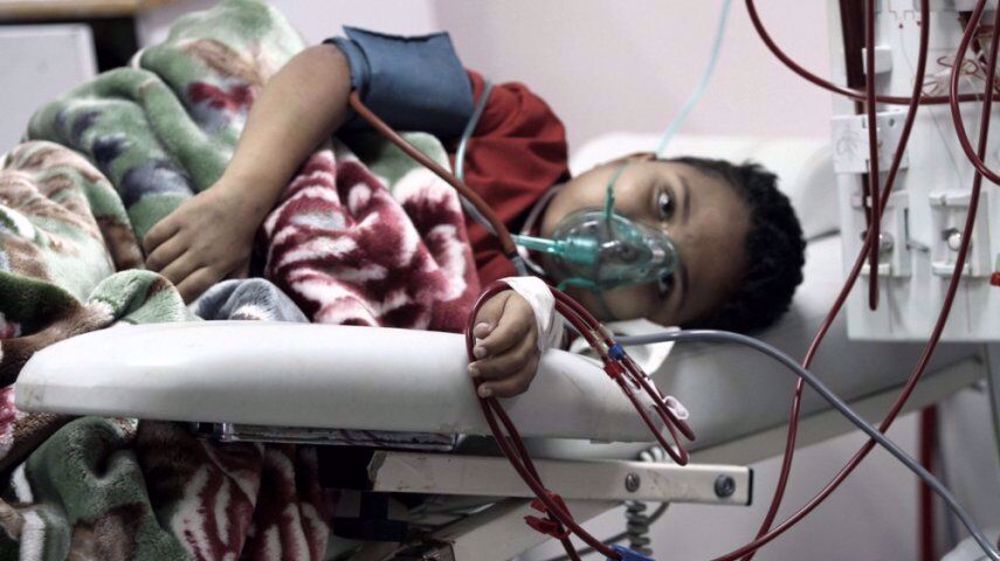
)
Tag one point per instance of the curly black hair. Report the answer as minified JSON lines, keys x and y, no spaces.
{"x":774,"y":246}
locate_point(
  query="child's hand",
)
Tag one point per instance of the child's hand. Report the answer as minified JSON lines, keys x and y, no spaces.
{"x":506,"y":346}
{"x":206,"y":239}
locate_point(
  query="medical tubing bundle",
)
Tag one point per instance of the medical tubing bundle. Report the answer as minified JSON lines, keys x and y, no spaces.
{"x":869,"y":246}
{"x":559,"y":522}
{"x":974,"y":156}
{"x":877,"y":436}
{"x":618,"y":365}
{"x":956,"y":275}
{"x":830,"y":86}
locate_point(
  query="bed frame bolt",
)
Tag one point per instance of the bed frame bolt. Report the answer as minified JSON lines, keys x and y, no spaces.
{"x":632,"y":482}
{"x":725,"y":486}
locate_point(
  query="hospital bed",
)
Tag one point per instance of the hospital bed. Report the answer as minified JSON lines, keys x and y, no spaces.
{"x":333,"y":385}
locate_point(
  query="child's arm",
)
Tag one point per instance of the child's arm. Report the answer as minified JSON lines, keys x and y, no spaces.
{"x":506,"y":348}
{"x":210,"y":236}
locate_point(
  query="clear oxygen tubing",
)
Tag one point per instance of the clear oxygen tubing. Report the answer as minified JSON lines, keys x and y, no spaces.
{"x":699,"y":91}
{"x":470,"y":128}
{"x":714,"y":336}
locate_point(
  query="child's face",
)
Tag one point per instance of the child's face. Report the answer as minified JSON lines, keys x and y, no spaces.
{"x":704,"y":216}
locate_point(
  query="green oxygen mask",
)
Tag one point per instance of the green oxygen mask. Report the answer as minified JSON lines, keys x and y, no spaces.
{"x":595,"y":251}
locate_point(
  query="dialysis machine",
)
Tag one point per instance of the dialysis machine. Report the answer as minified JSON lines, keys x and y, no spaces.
{"x":923,"y":222}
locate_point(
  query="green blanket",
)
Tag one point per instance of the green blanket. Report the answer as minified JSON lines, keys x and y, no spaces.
{"x":104,"y":164}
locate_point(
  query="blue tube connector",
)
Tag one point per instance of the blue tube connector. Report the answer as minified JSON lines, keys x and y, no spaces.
{"x":629,"y":555}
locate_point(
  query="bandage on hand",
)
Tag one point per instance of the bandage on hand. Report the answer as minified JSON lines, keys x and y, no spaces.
{"x":506,"y":347}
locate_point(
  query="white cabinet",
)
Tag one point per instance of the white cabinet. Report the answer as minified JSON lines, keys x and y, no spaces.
{"x":37,"y":64}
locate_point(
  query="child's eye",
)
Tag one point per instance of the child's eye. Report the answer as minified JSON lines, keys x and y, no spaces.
{"x":665,"y":284}
{"x":665,"y":205}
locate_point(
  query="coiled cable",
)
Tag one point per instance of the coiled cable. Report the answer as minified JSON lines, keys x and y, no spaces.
{"x":637,"y":522}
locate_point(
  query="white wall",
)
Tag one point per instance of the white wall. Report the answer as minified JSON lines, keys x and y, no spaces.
{"x":606,"y":65}
{"x":315,"y":19}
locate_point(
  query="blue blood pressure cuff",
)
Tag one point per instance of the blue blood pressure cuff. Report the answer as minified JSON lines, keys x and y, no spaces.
{"x":412,"y":83}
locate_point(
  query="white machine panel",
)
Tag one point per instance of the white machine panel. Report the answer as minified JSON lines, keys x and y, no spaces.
{"x":924,"y":218}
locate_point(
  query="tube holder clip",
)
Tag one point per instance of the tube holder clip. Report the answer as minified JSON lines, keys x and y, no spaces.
{"x":850,"y":141}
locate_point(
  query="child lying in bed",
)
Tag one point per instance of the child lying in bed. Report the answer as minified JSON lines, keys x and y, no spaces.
{"x":740,"y":244}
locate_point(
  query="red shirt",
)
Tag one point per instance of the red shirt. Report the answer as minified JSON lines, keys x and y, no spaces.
{"x":517,"y":152}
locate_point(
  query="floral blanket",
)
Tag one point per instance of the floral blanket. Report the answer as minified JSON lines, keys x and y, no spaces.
{"x":361,"y":236}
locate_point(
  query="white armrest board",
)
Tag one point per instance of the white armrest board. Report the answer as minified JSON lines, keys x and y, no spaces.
{"x":318,"y":376}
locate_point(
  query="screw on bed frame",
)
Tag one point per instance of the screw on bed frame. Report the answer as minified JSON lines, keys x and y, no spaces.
{"x":632,"y":482}
{"x":725,"y":486}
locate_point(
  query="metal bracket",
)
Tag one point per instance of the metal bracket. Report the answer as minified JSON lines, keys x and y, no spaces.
{"x":894,"y":238}
{"x":948,"y":213}
{"x":440,"y":474}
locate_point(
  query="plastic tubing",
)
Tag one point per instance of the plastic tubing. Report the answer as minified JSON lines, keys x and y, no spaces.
{"x":939,"y":325}
{"x":506,"y":243}
{"x":830,"y":86}
{"x":873,"y":177}
{"x":512,"y":445}
{"x":852,"y":277}
{"x":622,"y":370}
{"x":699,"y":91}
{"x":956,"y":114}
{"x":470,"y":129}
{"x":877,"y":436}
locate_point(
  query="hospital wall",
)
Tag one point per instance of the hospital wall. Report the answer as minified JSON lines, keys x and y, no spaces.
{"x":607,"y":66}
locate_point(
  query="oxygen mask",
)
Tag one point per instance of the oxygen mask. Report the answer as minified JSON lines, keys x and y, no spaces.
{"x":602,"y":250}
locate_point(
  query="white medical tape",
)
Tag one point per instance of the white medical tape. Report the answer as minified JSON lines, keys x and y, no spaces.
{"x":543,"y":305}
